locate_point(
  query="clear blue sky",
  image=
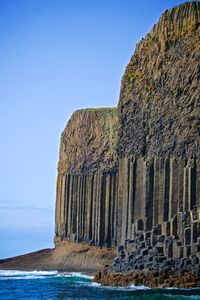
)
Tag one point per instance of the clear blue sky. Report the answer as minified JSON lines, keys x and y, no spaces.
{"x":55,"y":56}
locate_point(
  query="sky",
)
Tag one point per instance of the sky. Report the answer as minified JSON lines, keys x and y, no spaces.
{"x":56,"y":56}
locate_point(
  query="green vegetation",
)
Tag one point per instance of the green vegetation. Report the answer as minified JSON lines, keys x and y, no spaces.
{"x":152,"y":37}
{"x":97,"y":109}
{"x":149,"y":86}
{"x":132,"y":76}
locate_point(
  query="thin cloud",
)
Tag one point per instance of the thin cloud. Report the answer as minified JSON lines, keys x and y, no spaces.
{"x":25,"y":217}
{"x":15,"y":207}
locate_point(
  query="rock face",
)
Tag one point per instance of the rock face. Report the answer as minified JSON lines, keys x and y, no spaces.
{"x":159,"y":99}
{"x":87,"y":179}
{"x":131,"y":176}
{"x":88,"y":143}
{"x":173,"y":279}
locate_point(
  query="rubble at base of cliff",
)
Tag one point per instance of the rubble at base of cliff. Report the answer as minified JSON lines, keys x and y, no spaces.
{"x":182,"y":278}
{"x":154,"y":260}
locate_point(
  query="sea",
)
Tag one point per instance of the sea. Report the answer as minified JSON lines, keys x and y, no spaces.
{"x":56,"y":285}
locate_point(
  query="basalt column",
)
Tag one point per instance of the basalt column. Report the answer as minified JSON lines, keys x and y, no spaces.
{"x":87,"y":184}
{"x":159,"y":139}
{"x":152,"y":193}
{"x":135,"y":169}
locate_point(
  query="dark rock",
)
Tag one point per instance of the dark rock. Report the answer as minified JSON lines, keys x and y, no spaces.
{"x":122,"y":254}
{"x":120,"y":248}
{"x":144,"y":252}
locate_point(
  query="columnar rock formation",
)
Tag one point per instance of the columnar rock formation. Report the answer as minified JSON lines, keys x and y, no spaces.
{"x":159,"y":98}
{"x":161,"y":191}
{"x":130,"y":176}
{"x":136,"y":169}
{"x":159,"y":129}
{"x":87,"y":178}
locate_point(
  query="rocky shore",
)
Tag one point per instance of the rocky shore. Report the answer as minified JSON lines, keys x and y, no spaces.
{"x":183,"y":278}
{"x":153,"y":260}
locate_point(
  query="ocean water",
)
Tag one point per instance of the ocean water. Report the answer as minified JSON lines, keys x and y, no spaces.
{"x":54,"y":285}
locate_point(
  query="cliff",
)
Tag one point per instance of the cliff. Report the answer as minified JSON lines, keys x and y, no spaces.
{"x":159,"y":126}
{"x":130,"y":176}
{"x":88,"y":142}
{"x":115,"y":176}
{"x":158,"y":151}
{"x":86,"y":184}
{"x":159,"y":98}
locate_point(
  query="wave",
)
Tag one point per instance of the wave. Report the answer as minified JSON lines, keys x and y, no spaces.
{"x":138,"y":287}
{"x":35,"y":272}
{"x":17,"y":274}
{"x":79,"y":275}
{"x":22,"y":277}
{"x":86,"y":280}
{"x":131,"y":287}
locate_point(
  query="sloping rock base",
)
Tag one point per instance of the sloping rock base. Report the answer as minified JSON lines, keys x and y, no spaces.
{"x":67,"y":256}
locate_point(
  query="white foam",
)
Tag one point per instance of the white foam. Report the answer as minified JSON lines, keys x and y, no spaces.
{"x":80,"y":275}
{"x":21,"y":277}
{"x":131,"y":287}
{"x":95,"y":284}
{"x":16,"y":274}
{"x":138,"y":287}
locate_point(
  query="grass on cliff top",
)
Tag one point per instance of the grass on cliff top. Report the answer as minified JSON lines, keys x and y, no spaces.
{"x":98,"y":109}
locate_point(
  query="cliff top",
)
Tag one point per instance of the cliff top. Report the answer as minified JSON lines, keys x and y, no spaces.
{"x":173,"y":24}
{"x":179,"y":18}
{"x":96,"y":109}
{"x":88,"y":141}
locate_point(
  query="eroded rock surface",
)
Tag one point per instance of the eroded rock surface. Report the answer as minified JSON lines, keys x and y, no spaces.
{"x":170,"y":279}
{"x":87,"y":180}
{"x":67,"y":256}
{"x":159,"y":104}
{"x":88,"y":143}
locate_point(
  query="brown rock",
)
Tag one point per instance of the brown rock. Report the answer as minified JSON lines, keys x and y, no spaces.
{"x":88,"y":141}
